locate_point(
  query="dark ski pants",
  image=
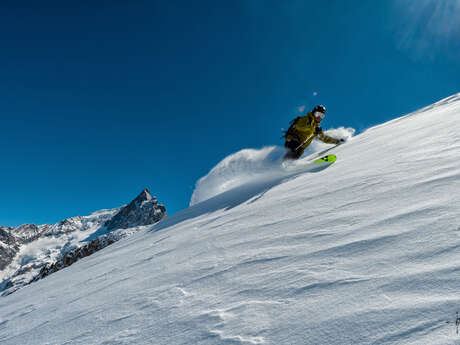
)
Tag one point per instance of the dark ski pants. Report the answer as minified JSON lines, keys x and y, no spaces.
{"x":293,"y":152}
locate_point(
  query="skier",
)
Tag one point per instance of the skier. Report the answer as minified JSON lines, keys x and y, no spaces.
{"x":302,"y":131}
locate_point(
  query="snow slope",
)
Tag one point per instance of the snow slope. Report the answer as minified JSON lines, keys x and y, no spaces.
{"x":363,"y":252}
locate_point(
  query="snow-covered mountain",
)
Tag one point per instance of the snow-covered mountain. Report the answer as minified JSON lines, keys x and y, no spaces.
{"x":30,"y":252}
{"x":365,"y":251}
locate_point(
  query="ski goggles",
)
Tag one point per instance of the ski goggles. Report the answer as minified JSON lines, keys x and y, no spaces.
{"x":319,"y":114}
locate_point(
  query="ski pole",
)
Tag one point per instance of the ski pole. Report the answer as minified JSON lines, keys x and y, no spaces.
{"x":303,"y":143}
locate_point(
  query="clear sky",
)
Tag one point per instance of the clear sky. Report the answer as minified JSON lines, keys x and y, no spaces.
{"x":100,"y":99}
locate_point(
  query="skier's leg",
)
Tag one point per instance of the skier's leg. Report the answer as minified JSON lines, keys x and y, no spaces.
{"x":292,"y":153}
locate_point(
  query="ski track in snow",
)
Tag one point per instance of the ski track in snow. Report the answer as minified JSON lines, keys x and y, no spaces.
{"x":363,"y":252}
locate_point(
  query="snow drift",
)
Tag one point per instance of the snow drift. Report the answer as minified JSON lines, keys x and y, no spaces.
{"x":363,"y":252}
{"x":254,"y":166}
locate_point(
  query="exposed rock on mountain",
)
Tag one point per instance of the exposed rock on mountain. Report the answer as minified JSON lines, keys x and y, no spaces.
{"x":9,"y":246}
{"x":79,"y":253}
{"x":30,"y":252}
{"x":144,"y":210}
{"x":30,"y":232}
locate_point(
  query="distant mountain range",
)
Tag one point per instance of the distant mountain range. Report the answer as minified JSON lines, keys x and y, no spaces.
{"x":30,"y":252}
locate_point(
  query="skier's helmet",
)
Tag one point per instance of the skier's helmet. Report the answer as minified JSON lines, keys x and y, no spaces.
{"x":319,"y":111}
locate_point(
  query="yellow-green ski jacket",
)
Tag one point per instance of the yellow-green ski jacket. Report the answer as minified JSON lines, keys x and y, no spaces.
{"x":306,"y":129}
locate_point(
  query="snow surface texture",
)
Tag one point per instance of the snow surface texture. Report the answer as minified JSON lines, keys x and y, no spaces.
{"x":362,"y":252}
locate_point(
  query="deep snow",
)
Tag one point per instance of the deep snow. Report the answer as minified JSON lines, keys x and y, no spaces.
{"x":251,"y":166}
{"x":363,"y":252}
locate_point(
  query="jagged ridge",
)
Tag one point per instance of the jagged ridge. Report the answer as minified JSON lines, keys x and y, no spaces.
{"x":30,"y":252}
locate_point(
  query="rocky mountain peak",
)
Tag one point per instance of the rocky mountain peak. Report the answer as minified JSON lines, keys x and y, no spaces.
{"x":143,"y":210}
{"x":29,"y":232}
{"x":144,"y":195}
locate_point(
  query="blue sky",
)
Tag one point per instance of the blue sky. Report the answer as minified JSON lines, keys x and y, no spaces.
{"x":101,"y":100}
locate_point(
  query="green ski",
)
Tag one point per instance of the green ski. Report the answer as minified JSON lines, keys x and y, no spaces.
{"x":309,"y":165}
{"x":326,"y":159}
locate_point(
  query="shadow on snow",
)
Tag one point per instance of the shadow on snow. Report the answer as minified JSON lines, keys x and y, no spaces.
{"x":234,"y":197}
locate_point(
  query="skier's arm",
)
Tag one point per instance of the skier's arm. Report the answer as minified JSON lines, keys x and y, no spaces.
{"x":327,"y":139}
